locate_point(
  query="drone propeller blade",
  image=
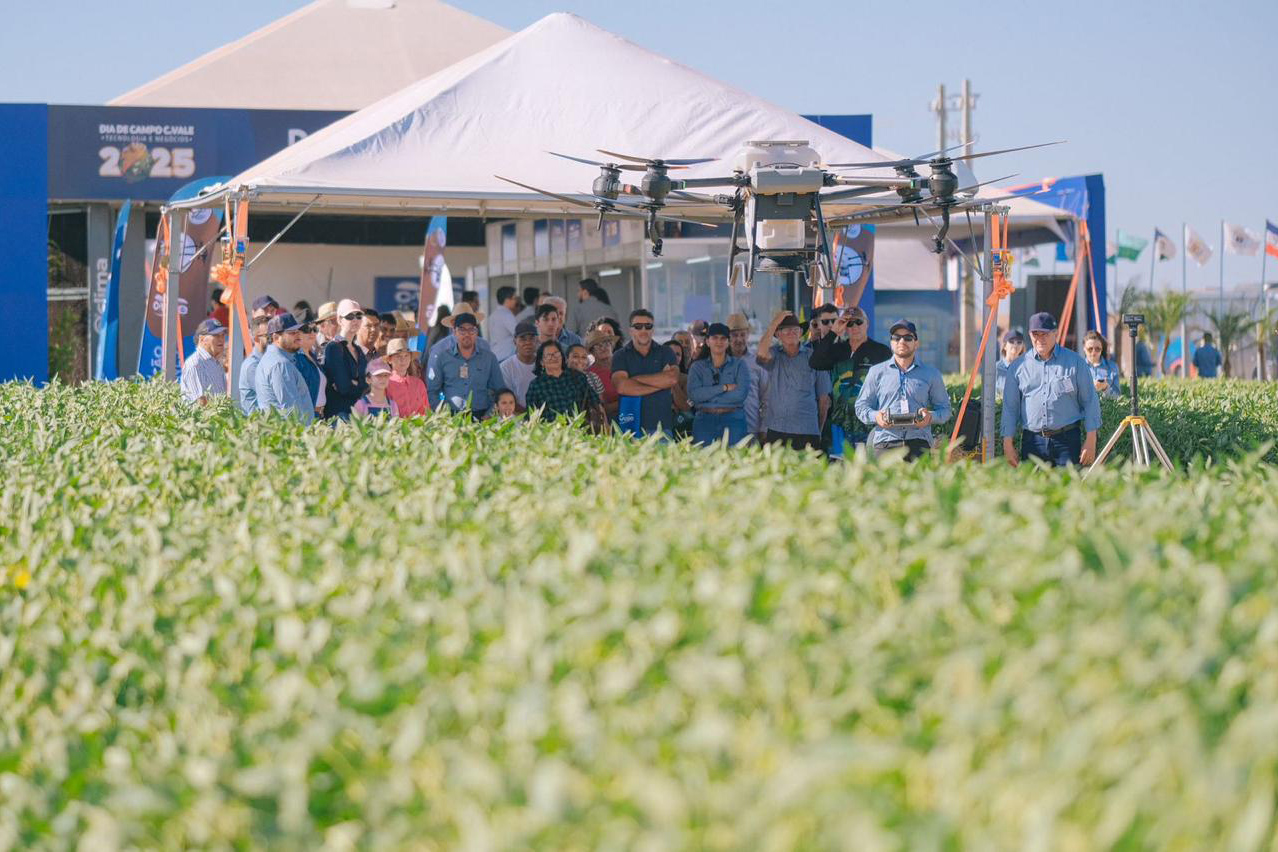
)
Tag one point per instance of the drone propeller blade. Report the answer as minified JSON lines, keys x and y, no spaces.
{"x":627,"y":166}
{"x":545,"y":192}
{"x":900,"y":164}
{"x":668,"y":161}
{"x":977,"y":186}
{"x":1007,"y":150}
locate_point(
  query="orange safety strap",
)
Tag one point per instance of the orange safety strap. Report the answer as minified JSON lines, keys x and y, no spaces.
{"x":839,"y":290}
{"x":1067,"y":313}
{"x":1002,"y":288}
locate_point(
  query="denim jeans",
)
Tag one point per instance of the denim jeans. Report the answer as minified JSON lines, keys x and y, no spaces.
{"x":1063,"y":448}
{"x":708,"y":428}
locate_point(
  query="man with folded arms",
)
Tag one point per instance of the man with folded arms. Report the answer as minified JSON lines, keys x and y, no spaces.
{"x":1050,"y":397}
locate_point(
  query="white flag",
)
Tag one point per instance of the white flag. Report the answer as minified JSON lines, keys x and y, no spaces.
{"x":1196,"y":248}
{"x":1163,"y":245}
{"x":1239,"y":240}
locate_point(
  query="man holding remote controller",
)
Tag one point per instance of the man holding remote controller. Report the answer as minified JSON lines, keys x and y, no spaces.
{"x":903,"y":398}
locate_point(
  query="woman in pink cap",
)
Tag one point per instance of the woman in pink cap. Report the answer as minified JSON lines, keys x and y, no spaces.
{"x":376,"y":402}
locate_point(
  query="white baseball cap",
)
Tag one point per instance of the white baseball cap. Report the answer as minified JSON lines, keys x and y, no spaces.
{"x":348,"y":306}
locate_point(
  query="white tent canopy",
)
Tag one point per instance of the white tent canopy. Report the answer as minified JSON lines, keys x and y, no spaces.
{"x":562,"y":84}
{"x":330,"y":54}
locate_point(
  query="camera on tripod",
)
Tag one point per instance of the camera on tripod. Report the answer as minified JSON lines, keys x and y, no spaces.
{"x":1132,"y":321}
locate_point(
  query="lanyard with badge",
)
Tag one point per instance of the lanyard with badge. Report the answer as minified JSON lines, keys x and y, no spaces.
{"x":902,"y":404}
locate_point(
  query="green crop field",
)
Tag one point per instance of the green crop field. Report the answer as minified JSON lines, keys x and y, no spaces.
{"x":222,"y":633}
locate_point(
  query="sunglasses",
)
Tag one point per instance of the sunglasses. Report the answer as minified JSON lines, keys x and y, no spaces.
{"x":825,"y":322}
{"x":856,"y":322}
{"x":354,"y":316}
{"x":908,"y":338}
{"x":641,"y":326}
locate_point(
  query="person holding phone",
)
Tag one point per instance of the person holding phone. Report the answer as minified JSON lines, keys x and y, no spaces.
{"x":902,"y":398}
{"x":1104,"y":371}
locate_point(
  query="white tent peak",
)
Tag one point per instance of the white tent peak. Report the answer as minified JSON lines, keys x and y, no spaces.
{"x":330,"y":54}
{"x":562,"y":84}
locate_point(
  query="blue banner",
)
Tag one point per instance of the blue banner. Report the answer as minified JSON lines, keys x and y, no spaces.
{"x":106,"y":364}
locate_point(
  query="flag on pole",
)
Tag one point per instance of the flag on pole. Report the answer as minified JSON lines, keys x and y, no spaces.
{"x":1271,"y":238}
{"x":1239,"y":240}
{"x":1196,"y":248}
{"x":1163,"y":246}
{"x":1111,"y":251}
{"x":1129,"y":247}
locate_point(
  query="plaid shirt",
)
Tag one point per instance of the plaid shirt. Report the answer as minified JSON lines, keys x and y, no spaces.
{"x":562,"y":394}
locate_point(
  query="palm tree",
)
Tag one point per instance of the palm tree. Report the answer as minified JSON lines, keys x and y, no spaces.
{"x":1232,"y":328}
{"x":1163,"y":315}
{"x":1266,"y":326}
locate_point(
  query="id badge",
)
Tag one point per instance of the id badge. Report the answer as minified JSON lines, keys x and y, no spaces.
{"x":1067,"y":384}
{"x":464,"y":372}
{"x":902,"y":406}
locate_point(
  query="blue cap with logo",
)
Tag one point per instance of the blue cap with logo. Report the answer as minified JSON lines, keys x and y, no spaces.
{"x":905,"y":324}
{"x":1042,"y":321}
{"x":282,"y":323}
{"x":209,"y":326}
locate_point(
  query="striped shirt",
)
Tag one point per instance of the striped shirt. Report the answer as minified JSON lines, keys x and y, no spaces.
{"x":202,"y":375}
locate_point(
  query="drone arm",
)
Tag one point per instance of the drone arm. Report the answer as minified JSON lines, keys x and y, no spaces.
{"x":882,"y":183}
{"x":695,"y":183}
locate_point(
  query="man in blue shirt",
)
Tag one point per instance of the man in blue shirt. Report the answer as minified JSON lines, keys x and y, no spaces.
{"x":798,"y":395}
{"x":1050,"y":395}
{"x":550,"y":326}
{"x":645,"y":369}
{"x":202,"y":374}
{"x":280,"y":386}
{"x":461,"y":374}
{"x":1207,"y":359}
{"x":248,"y":369}
{"x":902,"y":398}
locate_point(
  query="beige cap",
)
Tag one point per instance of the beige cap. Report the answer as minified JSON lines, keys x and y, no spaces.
{"x":396,"y":346}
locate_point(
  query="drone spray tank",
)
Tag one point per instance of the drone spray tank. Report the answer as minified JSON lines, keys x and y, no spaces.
{"x":784,"y":177}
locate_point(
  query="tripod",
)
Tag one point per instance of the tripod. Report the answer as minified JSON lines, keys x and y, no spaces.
{"x":1143,"y":437}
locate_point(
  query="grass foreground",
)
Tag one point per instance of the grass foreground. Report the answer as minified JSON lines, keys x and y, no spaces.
{"x":221,"y":632}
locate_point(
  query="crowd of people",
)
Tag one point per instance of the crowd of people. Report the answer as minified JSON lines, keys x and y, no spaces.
{"x":825,"y":385}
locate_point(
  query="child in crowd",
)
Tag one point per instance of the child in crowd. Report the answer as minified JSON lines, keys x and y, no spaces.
{"x":406,"y":390}
{"x":376,"y":403}
{"x":505,"y":404}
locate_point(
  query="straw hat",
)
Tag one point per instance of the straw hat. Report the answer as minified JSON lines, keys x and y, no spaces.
{"x":738,"y":322}
{"x":328,"y":310}
{"x":396,"y":346}
{"x":460,"y":309}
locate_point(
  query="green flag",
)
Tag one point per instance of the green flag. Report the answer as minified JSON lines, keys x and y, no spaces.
{"x":1129,"y":247}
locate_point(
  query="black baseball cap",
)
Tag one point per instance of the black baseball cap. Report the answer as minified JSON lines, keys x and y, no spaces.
{"x":718,"y":329}
{"x":262,"y":302}
{"x":525,"y":327}
{"x":464,"y":318}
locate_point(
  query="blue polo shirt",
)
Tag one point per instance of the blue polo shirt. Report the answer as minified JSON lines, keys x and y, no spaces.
{"x":1207,"y":361}
{"x":656,"y":410}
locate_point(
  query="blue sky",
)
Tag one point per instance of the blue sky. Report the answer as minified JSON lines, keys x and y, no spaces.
{"x":1173,"y":101}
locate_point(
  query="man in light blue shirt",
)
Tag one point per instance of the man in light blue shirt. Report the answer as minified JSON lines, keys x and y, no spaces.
{"x":1207,"y":359}
{"x":798,"y":396}
{"x":1049,"y":395}
{"x":248,"y":369}
{"x":462,"y":374}
{"x":902,"y":398}
{"x":202,"y":373}
{"x":279,"y":384}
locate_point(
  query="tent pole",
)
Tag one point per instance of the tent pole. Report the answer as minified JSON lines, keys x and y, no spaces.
{"x":283,"y":231}
{"x":172,"y":325}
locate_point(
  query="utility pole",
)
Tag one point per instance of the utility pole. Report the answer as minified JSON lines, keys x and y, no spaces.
{"x":963,"y":103}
